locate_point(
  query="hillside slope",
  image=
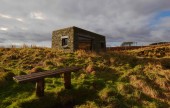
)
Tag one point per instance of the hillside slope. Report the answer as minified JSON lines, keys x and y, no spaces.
{"x":107,"y":80}
{"x":156,"y":51}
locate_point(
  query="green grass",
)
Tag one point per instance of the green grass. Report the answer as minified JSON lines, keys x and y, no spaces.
{"x":107,"y":80}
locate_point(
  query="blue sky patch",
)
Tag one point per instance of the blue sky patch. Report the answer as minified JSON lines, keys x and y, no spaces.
{"x":162,"y":15}
{"x":158,"y":17}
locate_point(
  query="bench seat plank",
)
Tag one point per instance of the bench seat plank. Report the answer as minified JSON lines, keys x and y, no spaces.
{"x":40,"y":75}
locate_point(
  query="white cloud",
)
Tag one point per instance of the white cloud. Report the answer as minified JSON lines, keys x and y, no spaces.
{"x":10,"y":17}
{"x":118,"y":20}
{"x":5,"y":16}
{"x":20,"y":19}
{"x":24,"y":28}
{"x":3,"y":28}
{"x":37,"y":15}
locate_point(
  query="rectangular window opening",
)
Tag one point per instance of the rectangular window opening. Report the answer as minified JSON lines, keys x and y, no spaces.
{"x":64,"y":41}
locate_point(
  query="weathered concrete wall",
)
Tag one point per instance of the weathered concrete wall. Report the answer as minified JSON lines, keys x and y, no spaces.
{"x":57,"y":40}
{"x":73,"y":33}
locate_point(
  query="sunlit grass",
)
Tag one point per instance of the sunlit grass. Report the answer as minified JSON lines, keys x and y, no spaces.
{"x":106,"y":80}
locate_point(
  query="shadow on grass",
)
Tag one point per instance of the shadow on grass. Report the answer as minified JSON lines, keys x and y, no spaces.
{"x":13,"y":91}
{"x":63,"y":99}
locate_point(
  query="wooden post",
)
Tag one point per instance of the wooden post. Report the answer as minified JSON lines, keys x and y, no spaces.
{"x":40,"y":87}
{"x":67,"y":80}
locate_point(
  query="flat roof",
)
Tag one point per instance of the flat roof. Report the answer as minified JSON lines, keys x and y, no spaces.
{"x":74,"y":27}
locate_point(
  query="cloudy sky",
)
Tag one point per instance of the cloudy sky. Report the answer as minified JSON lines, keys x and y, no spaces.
{"x":32,"y":21}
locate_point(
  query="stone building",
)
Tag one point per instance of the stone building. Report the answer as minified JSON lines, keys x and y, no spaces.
{"x":74,"y":38}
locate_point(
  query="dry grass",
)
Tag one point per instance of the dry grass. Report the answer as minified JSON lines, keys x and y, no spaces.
{"x":107,"y":80}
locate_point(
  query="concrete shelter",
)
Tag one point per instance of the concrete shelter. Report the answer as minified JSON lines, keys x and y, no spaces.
{"x":73,"y":38}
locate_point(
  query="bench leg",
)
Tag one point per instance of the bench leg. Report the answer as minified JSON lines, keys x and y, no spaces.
{"x":67,"y":80}
{"x":40,"y":88}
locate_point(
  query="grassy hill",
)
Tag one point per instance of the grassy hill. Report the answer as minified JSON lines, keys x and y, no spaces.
{"x":155,"y":51}
{"x":107,"y":80}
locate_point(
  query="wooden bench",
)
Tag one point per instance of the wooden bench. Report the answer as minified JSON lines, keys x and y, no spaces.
{"x":39,"y":78}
